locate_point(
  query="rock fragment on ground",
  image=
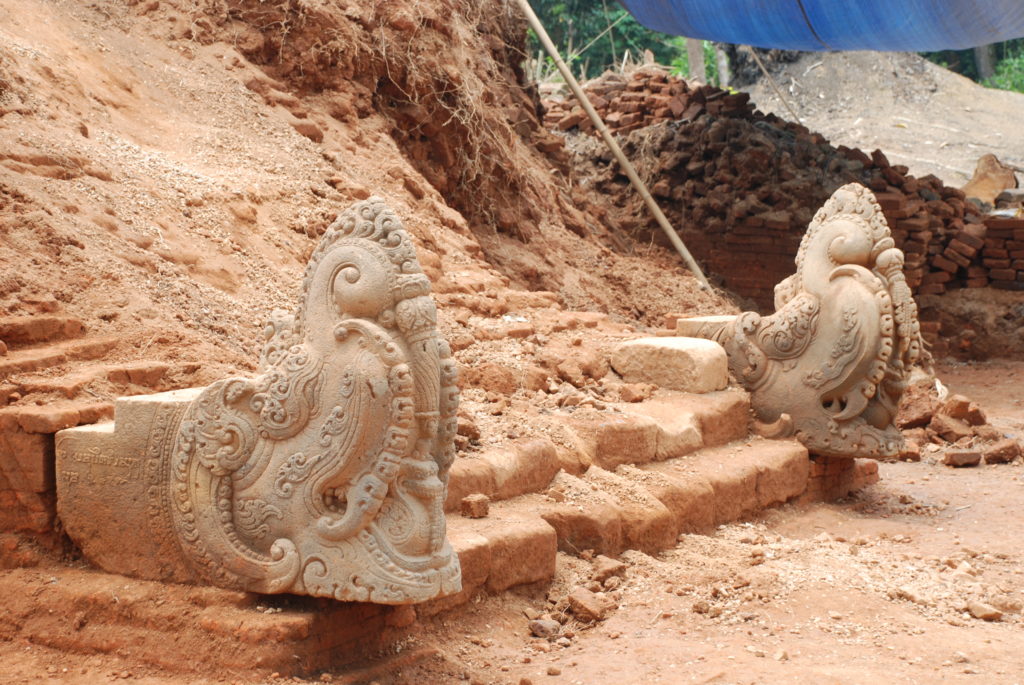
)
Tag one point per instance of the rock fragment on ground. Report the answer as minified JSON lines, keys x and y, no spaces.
{"x":545,"y":628}
{"x":475,"y":506}
{"x":590,"y":606}
{"x":1002,"y":452}
{"x":949,"y":428}
{"x":606,"y":567}
{"x":986,"y":612}
{"x":959,"y":458}
{"x":961,"y":408}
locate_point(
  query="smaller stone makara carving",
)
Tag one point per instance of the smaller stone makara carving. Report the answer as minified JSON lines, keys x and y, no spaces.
{"x":836,"y":354}
{"x":324,"y":475}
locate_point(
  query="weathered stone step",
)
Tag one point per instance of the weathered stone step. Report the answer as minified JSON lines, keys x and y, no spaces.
{"x":27,"y":487}
{"x":184,"y":628}
{"x":36,"y":358}
{"x":187,"y":629}
{"x":678,"y":363}
{"x":52,"y":417}
{"x":638,"y":507}
{"x":143,"y":374}
{"x":647,"y":507}
{"x":30,"y":330}
{"x":672,"y":425}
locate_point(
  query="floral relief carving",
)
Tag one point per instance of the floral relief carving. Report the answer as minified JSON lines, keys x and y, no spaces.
{"x":836,"y":354}
{"x":326,"y":473}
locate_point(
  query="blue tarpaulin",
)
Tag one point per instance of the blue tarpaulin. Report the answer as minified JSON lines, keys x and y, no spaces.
{"x":912,"y":25}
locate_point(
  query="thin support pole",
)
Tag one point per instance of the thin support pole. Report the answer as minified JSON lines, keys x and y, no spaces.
{"x":775,"y":86}
{"x":634,"y":178}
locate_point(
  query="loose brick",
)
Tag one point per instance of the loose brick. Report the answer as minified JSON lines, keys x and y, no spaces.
{"x":960,"y":458}
{"x":970,"y":240}
{"x":945,"y":264}
{"x":962,"y":248}
{"x":932,"y":289}
{"x":954,"y":256}
{"x":937,"y":277}
{"x":1008,"y":285}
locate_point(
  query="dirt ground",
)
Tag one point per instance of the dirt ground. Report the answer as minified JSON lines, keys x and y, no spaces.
{"x":867,"y":590}
{"x":930,"y":119}
{"x":876,"y":587}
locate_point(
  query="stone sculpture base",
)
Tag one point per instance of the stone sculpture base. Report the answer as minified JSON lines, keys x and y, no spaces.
{"x":836,"y":354}
{"x":323,"y":475}
{"x":109,"y":483}
{"x":111,"y":499}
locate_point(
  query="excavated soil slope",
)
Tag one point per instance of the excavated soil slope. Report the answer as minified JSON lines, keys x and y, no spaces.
{"x":165,"y":168}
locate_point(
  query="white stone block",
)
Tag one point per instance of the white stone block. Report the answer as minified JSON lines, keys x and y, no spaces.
{"x":685,"y":364}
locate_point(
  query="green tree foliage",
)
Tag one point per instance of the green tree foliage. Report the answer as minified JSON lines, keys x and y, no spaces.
{"x":593,"y":35}
{"x":1009,"y":73}
{"x":1009,"y":61}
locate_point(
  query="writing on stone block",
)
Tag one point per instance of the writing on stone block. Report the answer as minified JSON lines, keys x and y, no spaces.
{"x":325,"y":474}
{"x":96,"y":465}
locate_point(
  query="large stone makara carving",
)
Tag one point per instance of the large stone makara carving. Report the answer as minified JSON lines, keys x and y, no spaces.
{"x":836,"y":354}
{"x":323,"y":475}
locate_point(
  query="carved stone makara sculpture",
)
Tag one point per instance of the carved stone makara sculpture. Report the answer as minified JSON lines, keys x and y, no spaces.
{"x":324,"y":475}
{"x":836,"y":354}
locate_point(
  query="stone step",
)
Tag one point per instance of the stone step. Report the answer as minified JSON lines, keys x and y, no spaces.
{"x":52,"y":417}
{"x":18,"y":331}
{"x":183,"y":628}
{"x":647,"y":507}
{"x":677,"y":363}
{"x":27,"y":473}
{"x":126,"y":378}
{"x":644,"y":508}
{"x":37,"y":358}
{"x":671,"y":425}
{"x":700,"y":326}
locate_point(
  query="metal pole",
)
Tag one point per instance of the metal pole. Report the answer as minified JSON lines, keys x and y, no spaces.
{"x":640,"y":186}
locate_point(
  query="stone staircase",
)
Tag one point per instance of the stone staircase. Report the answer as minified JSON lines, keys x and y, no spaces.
{"x":642,"y":476}
{"x":630,"y":476}
{"x":53,"y":375}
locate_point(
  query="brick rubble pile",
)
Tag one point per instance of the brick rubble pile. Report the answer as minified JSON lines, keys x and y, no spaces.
{"x":649,"y":96}
{"x":741,"y":186}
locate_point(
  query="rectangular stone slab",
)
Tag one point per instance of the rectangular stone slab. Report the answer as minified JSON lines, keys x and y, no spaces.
{"x":108,"y":486}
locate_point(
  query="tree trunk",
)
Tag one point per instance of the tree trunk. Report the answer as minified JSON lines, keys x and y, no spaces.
{"x":695,"y":55}
{"x":985,"y":60}
{"x":722,"y":60}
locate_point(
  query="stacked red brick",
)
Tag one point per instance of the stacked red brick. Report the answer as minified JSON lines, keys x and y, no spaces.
{"x":649,"y":96}
{"x":1002,"y":254}
{"x":742,"y":187}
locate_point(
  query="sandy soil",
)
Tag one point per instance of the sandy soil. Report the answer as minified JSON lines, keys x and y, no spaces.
{"x":923,"y":116}
{"x":873,"y":588}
